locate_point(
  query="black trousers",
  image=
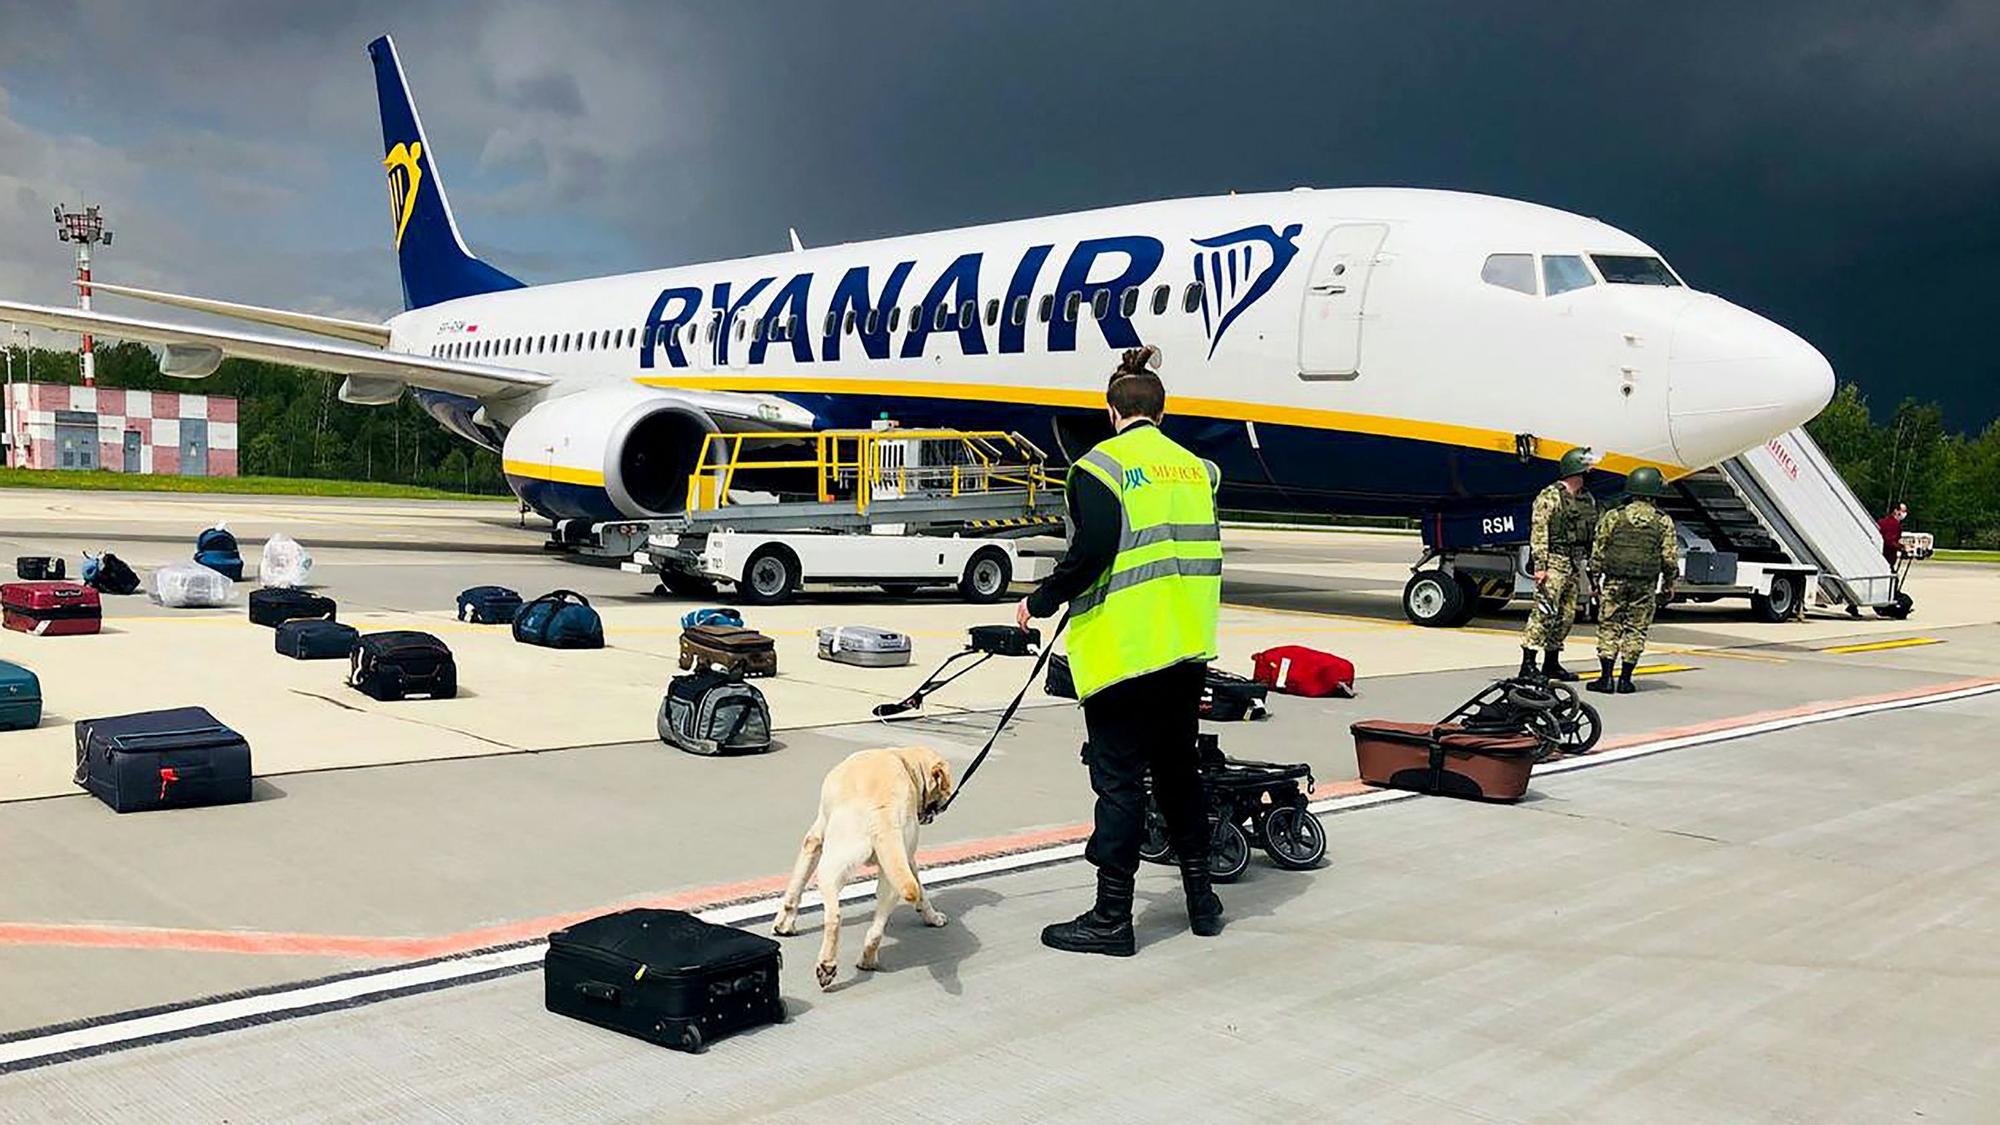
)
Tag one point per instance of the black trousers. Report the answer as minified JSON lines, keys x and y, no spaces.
{"x":1145,"y":723}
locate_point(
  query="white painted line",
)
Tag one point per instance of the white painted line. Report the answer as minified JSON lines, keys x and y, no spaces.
{"x":203,"y":1017}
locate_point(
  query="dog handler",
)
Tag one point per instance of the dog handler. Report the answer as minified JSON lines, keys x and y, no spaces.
{"x":1143,"y":579}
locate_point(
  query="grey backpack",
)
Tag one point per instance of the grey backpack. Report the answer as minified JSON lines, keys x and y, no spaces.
{"x":709,"y":712}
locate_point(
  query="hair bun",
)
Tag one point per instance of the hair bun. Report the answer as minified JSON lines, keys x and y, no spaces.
{"x":1136,"y":361}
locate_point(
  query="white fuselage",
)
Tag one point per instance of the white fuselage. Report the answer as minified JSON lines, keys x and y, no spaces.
{"x":1306,"y":335}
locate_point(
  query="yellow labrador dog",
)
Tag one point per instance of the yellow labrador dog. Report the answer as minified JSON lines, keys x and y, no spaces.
{"x":870,"y":806}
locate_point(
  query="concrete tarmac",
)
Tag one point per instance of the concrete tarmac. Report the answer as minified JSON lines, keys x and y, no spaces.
{"x":382,"y":835}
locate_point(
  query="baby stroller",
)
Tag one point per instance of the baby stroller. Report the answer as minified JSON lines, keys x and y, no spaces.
{"x":1260,"y":803}
{"x":1550,"y":710}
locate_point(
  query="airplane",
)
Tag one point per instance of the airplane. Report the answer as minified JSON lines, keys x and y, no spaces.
{"x":1365,"y":351}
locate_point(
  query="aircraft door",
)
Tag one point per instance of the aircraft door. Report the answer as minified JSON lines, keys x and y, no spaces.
{"x":1330,"y":319}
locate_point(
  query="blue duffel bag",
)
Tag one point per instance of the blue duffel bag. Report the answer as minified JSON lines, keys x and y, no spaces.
{"x":559,"y":619}
{"x":721,"y":615}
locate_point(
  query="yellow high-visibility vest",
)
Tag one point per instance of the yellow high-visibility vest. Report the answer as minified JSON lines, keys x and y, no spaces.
{"x":1157,"y":604}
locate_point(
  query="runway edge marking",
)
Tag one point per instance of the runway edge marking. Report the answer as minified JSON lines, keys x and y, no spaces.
{"x":81,"y":1039}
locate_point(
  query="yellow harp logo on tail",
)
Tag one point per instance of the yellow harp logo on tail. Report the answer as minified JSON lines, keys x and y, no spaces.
{"x":405,"y":176}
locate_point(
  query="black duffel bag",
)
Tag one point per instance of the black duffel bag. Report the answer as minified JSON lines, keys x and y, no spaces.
{"x":1059,"y":682}
{"x":1229,"y":698}
{"x":108,"y":574}
{"x":276,"y":605}
{"x":400,"y":663}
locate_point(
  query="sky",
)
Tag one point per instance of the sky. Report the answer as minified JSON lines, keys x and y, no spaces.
{"x":1833,"y":164}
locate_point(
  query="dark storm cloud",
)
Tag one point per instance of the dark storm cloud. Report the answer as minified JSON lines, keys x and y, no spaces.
{"x":1828,"y":163}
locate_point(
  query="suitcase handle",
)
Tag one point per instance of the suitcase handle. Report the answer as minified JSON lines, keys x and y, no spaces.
{"x":598,"y":991}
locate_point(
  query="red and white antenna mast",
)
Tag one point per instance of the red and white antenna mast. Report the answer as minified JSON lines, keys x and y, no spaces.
{"x":86,"y":229}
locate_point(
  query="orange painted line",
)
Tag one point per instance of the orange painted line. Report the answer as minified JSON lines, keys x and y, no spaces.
{"x":268,"y":943}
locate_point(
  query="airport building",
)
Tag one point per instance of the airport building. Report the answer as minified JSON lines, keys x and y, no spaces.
{"x":56,"y":426}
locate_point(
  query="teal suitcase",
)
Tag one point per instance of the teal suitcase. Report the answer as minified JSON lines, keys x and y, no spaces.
{"x":20,"y":698}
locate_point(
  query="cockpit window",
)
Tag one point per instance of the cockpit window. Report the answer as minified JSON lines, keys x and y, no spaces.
{"x":1510,"y":271}
{"x":1634,"y":269}
{"x":1564,"y":272}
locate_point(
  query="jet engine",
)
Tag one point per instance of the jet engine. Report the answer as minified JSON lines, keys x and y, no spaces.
{"x":607,"y":453}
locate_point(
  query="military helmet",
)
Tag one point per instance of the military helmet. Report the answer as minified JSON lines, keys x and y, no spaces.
{"x":1576,"y":462}
{"x":1646,"y":481}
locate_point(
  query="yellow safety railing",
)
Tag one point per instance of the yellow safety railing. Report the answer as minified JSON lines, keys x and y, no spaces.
{"x":857,"y":463}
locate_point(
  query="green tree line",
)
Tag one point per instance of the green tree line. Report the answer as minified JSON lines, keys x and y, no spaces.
{"x":290,"y":422}
{"x":1950,"y":480}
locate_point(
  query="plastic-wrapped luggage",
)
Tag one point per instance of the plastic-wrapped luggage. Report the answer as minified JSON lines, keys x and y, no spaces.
{"x":284,"y":564}
{"x":190,"y":586}
{"x":864,"y":646}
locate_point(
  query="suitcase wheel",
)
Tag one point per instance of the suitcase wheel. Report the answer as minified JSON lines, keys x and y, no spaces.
{"x":691,"y":1040}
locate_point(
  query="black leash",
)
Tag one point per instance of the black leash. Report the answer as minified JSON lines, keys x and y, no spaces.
{"x":1007,"y":716}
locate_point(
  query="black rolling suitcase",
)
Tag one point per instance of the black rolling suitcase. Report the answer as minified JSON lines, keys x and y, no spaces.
{"x":41,"y":568}
{"x":400,"y":663}
{"x":276,"y":605}
{"x":316,"y":640}
{"x":664,"y":976}
{"x":162,"y":759}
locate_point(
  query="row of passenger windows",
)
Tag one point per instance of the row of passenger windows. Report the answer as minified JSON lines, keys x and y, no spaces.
{"x":779,"y":329}
{"x":1562,"y":273}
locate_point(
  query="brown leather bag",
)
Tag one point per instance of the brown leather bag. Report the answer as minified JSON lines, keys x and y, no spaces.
{"x":729,"y":648}
{"x":1444,"y":759}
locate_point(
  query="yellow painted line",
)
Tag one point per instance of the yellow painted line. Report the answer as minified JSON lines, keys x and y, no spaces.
{"x":1878,"y":646}
{"x":1444,"y":433}
{"x":1727,"y":654}
{"x":562,"y":474}
{"x":1662,"y":669}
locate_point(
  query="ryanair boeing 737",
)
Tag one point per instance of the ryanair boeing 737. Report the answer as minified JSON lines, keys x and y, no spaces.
{"x":1368,"y":350}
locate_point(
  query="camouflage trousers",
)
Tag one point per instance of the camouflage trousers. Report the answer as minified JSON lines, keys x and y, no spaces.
{"x":1624,"y":615}
{"x":1555,"y":607}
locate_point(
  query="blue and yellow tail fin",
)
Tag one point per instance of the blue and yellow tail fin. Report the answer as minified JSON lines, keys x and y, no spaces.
{"x":435,"y":264}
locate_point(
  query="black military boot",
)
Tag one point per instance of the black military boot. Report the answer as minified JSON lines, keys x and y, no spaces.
{"x":1625,"y":684}
{"x":1527,"y":671}
{"x":1552,"y":668}
{"x":1603,"y":680}
{"x":1105,"y":928}
{"x":1204,"y":908}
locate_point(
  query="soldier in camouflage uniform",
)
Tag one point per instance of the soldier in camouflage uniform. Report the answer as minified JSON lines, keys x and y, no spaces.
{"x":1635,"y":557}
{"x":1565,"y":519}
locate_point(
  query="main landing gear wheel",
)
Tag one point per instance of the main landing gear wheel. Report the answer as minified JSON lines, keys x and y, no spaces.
{"x":1434,"y":599}
{"x":1294,"y":838}
{"x":1782,"y":604}
{"x":769,"y":577}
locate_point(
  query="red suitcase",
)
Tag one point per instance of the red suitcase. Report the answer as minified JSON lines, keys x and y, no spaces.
{"x":51,"y":609}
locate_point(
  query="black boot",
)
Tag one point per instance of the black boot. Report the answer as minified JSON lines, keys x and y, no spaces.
{"x":1603,"y":680}
{"x":1203,"y":907}
{"x":1552,"y":667}
{"x":1527,"y":671}
{"x":1105,"y":928}
{"x":1625,"y":684}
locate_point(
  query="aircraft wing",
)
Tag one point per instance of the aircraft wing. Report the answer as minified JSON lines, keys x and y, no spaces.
{"x":189,"y":347}
{"x":359,"y":331}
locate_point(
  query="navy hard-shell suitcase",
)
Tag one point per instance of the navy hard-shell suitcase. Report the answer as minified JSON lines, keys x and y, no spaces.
{"x":316,"y":640}
{"x":664,"y":976}
{"x":162,"y":759}
{"x":20,"y":697}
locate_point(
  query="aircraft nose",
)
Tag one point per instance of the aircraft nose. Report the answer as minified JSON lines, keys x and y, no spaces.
{"x":1736,"y":380}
